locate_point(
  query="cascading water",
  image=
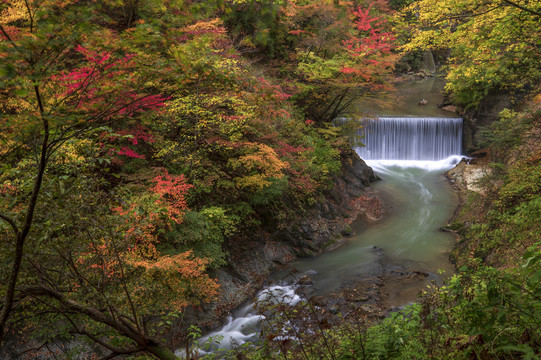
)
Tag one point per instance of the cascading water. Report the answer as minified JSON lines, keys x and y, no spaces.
{"x":243,"y":325}
{"x":411,"y":138}
{"x":409,"y":154}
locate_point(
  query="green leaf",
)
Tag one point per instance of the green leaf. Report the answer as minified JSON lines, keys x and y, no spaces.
{"x":21,"y":92}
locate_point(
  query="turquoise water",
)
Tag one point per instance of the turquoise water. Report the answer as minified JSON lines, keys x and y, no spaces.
{"x":417,"y":202}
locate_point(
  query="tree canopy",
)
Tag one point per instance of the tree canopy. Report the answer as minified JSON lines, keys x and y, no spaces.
{"x":494,"y":45}
{"x":141,"y":139}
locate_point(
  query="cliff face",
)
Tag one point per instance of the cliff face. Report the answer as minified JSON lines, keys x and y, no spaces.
{"x":327,"y":220}
{"x":486,"y":113}
{"x":317,"y":229}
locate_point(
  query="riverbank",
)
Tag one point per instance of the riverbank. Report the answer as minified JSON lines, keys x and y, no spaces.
{"x":324,"y":227}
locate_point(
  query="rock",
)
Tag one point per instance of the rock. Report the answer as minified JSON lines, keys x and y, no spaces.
{"x":347,"y":231}
{"x":318,"y":227}
{"x":334,"y":309}
{"x":320,"y":301}
{"x":360,"y":298}
{"x":305,"y":280}
{"x":450,"y":108}
{"x":417,"y":275}
{"x":305,"y":235}
{"x":369,"y":308}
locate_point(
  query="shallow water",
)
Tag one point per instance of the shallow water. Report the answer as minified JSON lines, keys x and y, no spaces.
{"x":417,"y":202}
{"x":404,"y":100}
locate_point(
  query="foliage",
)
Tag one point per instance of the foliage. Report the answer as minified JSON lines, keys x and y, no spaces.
{"x":138,"y":145}
{"x":514,"y":189}
{"x":339,"y":60}
{"x":494,"y":45}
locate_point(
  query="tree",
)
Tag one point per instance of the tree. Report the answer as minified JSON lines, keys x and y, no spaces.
{"x":86,"y":275}
{"x":494,"y":45}
{"x":345,"y":54}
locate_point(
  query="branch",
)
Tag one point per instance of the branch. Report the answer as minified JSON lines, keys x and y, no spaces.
{"x":146,"y":343}
{"x":21,"y":235}
{"x":11,"y":222}
{"x":30,"y":16}
{"x":116,"y":351}
{"x":8,"y":37}
{"x":94,"y":313}
{"x":512,"y":3}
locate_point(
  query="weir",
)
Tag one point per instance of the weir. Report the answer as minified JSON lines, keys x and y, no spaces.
{"x":411,"y":138}
{"x":409,"y":153}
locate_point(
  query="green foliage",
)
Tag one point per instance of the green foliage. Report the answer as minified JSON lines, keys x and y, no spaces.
{"x":514,"y":188}
{"x":493,"y":45}
{"x":506,"y":133}
{"x":258,"y":24}
{"x":162,"y":146}
{"x":203,"y":232}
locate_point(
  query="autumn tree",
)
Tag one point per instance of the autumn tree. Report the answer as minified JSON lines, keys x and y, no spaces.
{"x":84,"y":268}
{"x":494,"y":45}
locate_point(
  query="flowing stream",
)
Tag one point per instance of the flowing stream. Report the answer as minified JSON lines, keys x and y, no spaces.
{"x":409,"y":153}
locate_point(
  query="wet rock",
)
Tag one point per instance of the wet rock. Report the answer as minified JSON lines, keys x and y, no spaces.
{"x":334,"y":309}
{"x":320,"y":301}
{"x":305,"y":280}
{"x":417,"y":275}
{"x":369,"y":308}
{"x":360,"y":298}
{"x":450,"y":108}
{"x":347,"y":231}
{"x":306,"y":235}
{"x":317,"y":228}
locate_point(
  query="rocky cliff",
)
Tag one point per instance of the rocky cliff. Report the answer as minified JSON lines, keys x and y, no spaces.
{"x":320,"y":227}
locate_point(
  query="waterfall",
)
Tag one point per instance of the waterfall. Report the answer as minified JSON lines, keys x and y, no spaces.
{"x":411,"y":138}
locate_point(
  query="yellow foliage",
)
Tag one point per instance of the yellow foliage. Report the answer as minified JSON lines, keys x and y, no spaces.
{"x":262,"y":164}
{"x":184,"y":275}
{"x":205,"y":26}
{"x":15,"y":11}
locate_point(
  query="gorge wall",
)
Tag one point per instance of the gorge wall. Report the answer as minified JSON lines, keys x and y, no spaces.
{"x":309,"y":234}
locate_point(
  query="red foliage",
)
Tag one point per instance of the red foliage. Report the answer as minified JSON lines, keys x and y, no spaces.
{"x":129,"y":153}
{"x":285,"y":149}
{"x":104,"y":86}
{"x":172,"y":191}
{"x":138,"y":133}
{"x":274,"y":90}
{"x":297,"y":32}
{"x":372,"y":39}
{"x":301,"y":182}
{"x":136,"y":136}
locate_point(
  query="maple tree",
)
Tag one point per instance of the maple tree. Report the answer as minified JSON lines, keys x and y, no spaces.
{"x":140,"y":140}
{"x":345,"y":56}
{"x":59,"y":97}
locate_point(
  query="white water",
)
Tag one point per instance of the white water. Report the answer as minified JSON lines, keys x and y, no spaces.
{"x":411,"y":138}
{"x":410,"y":238}
{"x":243,"y":325}
{"x":385,"y":166}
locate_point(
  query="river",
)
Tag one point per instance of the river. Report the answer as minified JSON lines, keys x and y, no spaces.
{"x":409,"y":154}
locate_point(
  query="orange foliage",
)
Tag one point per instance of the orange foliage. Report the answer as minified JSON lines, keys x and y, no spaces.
{"x":177,"y":280}
{"x":185,"y":276}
